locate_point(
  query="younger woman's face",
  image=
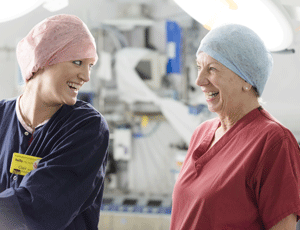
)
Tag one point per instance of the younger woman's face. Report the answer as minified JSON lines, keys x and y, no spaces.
{"x":59,"y":84}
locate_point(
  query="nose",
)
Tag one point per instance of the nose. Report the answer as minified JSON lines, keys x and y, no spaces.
{"x":202,"y":78}
{"x":84,"y":73}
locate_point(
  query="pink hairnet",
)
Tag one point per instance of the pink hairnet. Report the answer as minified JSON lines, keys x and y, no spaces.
{"x":56,"y":39}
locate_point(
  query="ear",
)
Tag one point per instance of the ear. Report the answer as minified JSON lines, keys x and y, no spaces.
{"x":247,"y":87}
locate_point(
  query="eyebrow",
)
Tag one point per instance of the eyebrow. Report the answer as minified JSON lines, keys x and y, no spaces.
{"x":218,"y":63}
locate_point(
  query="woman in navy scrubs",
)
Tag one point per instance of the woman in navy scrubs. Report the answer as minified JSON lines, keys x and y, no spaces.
{"x":53,"y":147}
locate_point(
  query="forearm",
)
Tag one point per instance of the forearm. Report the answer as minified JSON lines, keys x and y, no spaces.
{"x":11,"y":216}
{"x":288,"y":223}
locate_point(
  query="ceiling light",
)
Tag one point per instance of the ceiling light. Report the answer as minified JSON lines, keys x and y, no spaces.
{"x":55,"y":5}
{"x":268,"y":19}
{"x":10,"y":10}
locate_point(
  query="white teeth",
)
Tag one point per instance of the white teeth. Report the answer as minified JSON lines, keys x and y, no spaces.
{"x":211,"y":95}
{"x":73,"y":85}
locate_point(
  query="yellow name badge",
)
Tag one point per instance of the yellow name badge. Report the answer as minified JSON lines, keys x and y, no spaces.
{"x":22,"y":164}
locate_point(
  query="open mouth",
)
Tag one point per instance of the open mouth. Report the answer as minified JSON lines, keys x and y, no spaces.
{"x":73,"y":86}
{"x":211,"y":95}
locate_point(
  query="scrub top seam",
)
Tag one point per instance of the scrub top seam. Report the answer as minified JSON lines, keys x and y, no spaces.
{"x":221,"y":143}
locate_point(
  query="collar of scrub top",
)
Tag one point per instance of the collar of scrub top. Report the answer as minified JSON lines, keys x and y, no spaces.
{"x":21,"y":120}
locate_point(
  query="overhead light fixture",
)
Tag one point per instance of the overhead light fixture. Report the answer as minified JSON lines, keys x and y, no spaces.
{"x":10,"y":10}
{"x":55,"y":5}
{"x":266,"y":17}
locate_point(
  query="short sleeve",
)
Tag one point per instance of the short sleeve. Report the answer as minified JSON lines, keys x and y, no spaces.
{"x":277,"y":181}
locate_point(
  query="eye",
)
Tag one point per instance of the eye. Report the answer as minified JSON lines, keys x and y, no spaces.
{"x":77,"y":62}
{"x":212,"y":69}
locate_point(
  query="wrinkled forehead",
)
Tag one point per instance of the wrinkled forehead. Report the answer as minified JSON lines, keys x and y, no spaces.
{"x":205,"y":59}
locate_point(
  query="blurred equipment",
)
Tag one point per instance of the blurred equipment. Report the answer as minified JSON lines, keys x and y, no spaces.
{"x":174,"y":65}
{"x":151,"y":68}
{"x":122,"y":143}
{"x":173,"y":47}
{"x":131,"y":15}
{"x":131,"y":85}
{"x":135,"y":212}
{"x":134,"y":89}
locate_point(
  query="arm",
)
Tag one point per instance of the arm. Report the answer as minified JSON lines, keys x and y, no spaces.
{"x":288,"y":223}
{"x":11,"y":216}
{"x":68,"y":178}
{"x":277,"y":185}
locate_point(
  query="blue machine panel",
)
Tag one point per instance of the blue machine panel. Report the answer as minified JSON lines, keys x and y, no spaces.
{"x":173,"y":47}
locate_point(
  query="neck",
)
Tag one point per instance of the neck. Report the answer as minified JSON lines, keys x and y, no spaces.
{"x":34,"y":110}
{"x":231,"y":117}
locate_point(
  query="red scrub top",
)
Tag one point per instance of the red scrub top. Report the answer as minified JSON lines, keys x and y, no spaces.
{"x":248,"y":180}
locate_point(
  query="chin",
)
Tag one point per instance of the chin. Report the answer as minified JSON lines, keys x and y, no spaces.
{"x":215,"y":107}
{"x":211,"y":108}
{"x":71,"y":102}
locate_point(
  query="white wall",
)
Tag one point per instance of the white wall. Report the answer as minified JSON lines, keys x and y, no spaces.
{"x":282,"y":94}
{"x":8,"y":72}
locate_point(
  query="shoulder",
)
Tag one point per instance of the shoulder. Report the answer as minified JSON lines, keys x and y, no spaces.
{"x":271,"y":128}
{"x":80,"y":115}
{"x":271,"y":140}
{"x":204,"y":129}
{"x":81,"y":109}
{"x":7,"y":107}
{"x":7,"y":104}
{"x":207,"y":125}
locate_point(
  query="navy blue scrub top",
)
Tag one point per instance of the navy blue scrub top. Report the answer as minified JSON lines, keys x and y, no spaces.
{"x":65,"y":191}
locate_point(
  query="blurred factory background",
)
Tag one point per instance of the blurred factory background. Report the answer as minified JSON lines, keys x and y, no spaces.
{"x":144,"y":85}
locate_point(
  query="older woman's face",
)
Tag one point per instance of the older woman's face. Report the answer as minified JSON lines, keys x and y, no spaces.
{"x":221,"y":86}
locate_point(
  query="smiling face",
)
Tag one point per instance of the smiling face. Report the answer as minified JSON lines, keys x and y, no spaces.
{"x":59,"y":84}
{"x":223,"y":88}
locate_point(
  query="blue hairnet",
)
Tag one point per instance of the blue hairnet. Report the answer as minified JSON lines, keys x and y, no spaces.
{"x":241,"y":50}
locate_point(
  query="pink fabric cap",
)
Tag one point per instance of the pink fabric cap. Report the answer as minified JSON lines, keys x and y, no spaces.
{"x":56,"y":39}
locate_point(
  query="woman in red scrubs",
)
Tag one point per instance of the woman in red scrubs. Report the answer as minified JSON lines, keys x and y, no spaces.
{"x":242,"y":169}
